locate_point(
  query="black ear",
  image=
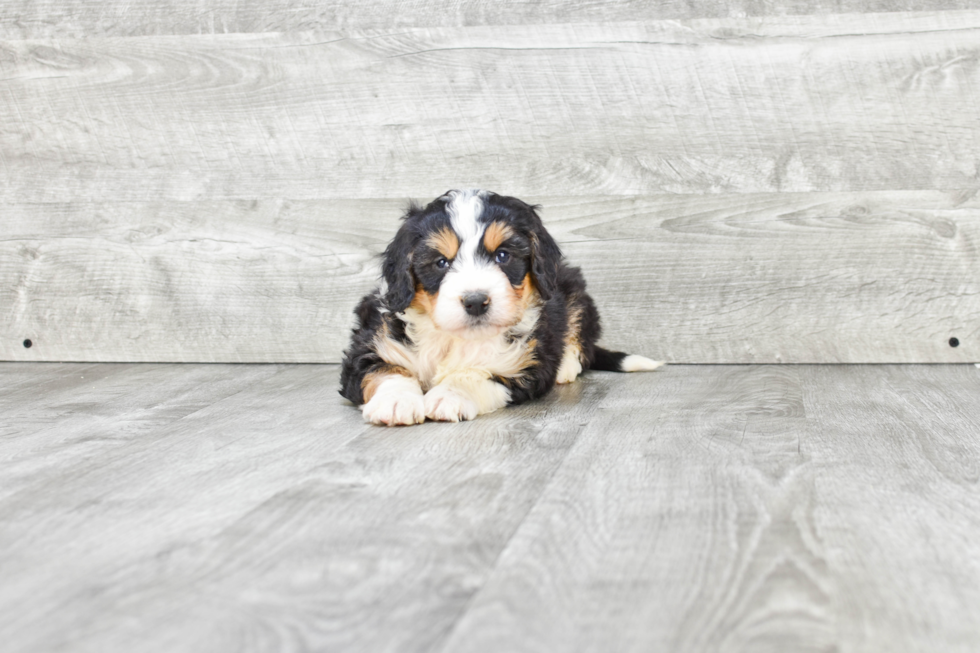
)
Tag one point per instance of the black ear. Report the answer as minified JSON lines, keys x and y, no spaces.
{"x":545,"y":259}
{"x":396,"y":266}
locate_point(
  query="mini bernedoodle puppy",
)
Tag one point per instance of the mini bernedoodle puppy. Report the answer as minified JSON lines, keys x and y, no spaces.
{"x":478,"y":310}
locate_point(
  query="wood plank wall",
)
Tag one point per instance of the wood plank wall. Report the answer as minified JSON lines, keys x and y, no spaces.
{"x":742,"y":182}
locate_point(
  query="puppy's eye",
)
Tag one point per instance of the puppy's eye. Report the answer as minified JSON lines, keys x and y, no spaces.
{"x":502,"y":256}
{"x":442,"y":264}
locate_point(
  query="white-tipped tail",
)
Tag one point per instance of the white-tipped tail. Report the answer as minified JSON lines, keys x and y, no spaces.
{"x":634,"y":363}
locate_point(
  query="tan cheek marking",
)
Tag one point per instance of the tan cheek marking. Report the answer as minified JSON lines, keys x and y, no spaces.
{"x":526,"y":292}
{"x":528,"y":278}
{"x":517,"y":301}
{"x":445,"y":242}
{"x":495,"y":235}
{"x":424,"y":302}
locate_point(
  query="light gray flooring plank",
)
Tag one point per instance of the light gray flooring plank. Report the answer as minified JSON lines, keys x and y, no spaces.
{"x":80,"y":18}
{"x":785,"y":103}
{"x":698,"y":508}
{"x":45,"y":393}
{"x":95,"y":410}
{"x":22,"y":382}
{"x":272,"y":519}
{"x":897,"y":458}
{"x":100,"y":532}
{"x":62,"y":393}
{"x":773,"y":277}
{"x":752,"y":508}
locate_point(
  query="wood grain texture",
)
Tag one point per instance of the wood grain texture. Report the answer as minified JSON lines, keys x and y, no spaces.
{"x":752,"y":508}
{"x":59,"y":420}
{"x":909,"y":438}
{"x":211,"y":282}
{"x":20,"y":382}
{"x":784,"y":103}
{"x":271,"y":518}
{"x":700,"y":508}
{"x":87,"y":18}
{"x":813,"y":277}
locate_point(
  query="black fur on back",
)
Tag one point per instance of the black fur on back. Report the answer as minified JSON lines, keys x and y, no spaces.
{"x":360,"y":358}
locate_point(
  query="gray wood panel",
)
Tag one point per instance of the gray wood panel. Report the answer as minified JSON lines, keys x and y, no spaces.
{"x":785,"y":103}
{"x":752,"y":508}
{"x":85,"y":18}
{"x":700,"y":508}
{"x":813,"y":277}
{"x":210,"y":282}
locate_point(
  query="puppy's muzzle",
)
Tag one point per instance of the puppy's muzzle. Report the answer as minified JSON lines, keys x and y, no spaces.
{"x":476,"y":303}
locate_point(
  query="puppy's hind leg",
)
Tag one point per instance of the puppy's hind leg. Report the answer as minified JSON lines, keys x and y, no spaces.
{"x":571,"y":365}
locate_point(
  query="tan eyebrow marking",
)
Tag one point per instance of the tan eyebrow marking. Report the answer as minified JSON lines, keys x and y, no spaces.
{"x":495,"y":235}
{"x":445,"y":242}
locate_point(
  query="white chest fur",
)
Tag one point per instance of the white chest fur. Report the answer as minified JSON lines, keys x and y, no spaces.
{"x":433,"y":355}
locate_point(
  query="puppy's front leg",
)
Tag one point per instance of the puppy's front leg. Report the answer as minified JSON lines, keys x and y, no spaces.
{"x":463,"y":395}
{"x":393,"y":399}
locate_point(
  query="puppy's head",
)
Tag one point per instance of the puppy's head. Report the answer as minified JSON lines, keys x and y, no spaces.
{"x":473,"y":261}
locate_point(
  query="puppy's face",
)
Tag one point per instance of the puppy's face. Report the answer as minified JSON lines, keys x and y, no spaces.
{"x":473,"y":261}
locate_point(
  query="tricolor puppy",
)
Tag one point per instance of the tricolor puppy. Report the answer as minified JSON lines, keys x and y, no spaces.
{"x":478,"y":310}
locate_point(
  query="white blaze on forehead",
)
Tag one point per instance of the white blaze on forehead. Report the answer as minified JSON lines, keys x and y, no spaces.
{"x":470,"y":273}
{"x":465,"y":208}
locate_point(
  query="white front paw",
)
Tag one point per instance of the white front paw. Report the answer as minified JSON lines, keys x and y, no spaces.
{"x":394,"y":408}
{"x":445,"y":404}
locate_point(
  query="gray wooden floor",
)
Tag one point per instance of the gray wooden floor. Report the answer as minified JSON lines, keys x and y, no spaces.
{"x":704,"y":508}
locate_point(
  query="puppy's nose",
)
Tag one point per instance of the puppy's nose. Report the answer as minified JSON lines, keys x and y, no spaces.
{"x":476,"y":303}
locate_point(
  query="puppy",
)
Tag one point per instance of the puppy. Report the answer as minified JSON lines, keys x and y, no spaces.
{"x":478,"y":310}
